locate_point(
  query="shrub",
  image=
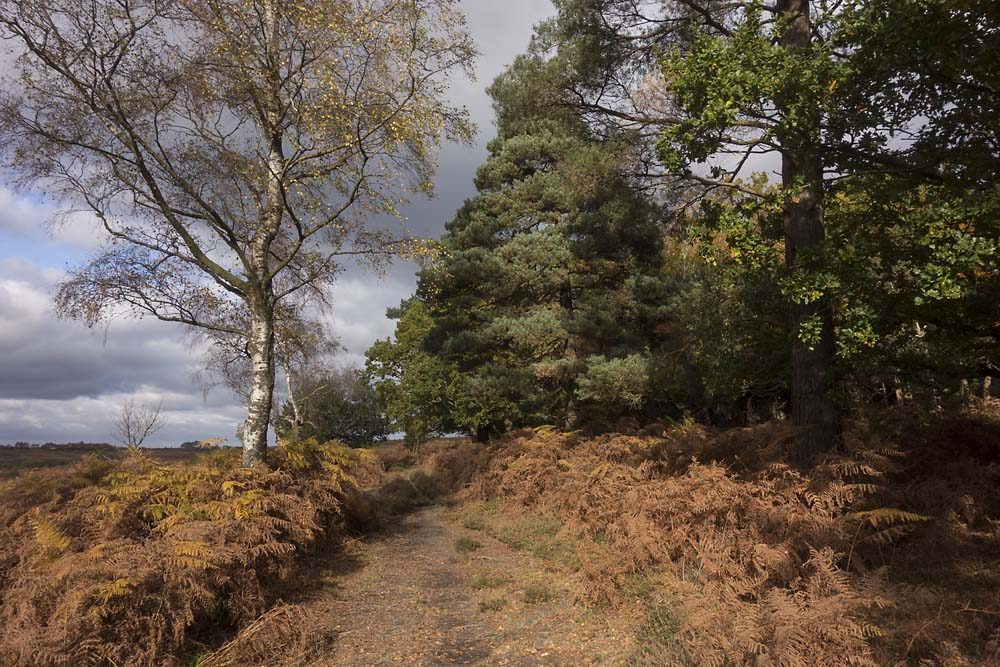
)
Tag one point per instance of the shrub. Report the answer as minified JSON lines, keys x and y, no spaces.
{"x":340,"y":405}
{"x":125,"y":563}
{"x":395,"y":455}
{"x":618,"y":382}
{"x":446,"y":466}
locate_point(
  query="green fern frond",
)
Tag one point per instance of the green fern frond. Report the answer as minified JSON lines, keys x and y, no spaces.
{"x":889,"y":516}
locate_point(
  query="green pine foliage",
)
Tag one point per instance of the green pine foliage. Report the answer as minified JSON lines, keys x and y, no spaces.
{"x":614,"y":264}
{"x":545,"y":279}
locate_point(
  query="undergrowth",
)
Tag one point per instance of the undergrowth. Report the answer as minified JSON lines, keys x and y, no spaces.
{"x":134,"y":562}
{"x":658,"y":641}
{"x":537,"y":594}
{"x":885,"y":554}
{"x":445,"y":466}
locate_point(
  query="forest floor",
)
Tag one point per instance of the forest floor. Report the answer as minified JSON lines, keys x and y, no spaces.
{"x":426,"y":591}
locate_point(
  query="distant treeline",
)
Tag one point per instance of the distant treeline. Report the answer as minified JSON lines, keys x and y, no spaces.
{"x":59,"y":445}
{"x":102,"y":446}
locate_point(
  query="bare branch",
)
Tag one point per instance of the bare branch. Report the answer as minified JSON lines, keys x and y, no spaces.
{"x":135,"y":423}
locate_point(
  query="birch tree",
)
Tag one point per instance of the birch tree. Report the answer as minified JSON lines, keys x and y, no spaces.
{"x":304,"y":352}
{"x":233,"y":150}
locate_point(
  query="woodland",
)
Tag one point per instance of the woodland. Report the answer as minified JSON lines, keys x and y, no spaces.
{"x":712,"y":345}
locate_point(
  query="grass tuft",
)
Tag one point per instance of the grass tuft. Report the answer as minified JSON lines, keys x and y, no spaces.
{"x":538,"y":594}
{"x":495,"y":604}
{"x":466,"y":545}
{"x":483,"y":582}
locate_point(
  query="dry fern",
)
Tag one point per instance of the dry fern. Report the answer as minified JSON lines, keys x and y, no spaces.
{"x":118,"y":563}
{"x":766,"y":565}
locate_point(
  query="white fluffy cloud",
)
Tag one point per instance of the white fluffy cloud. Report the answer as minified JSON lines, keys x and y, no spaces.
{"x":19,"y":215}
{"x":30,"y":220}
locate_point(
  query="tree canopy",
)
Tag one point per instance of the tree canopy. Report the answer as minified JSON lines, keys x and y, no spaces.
{"x":736,"y":211}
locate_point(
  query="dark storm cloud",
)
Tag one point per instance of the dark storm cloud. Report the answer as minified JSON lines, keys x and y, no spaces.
{"x":47,"y":358}
{"x":502,"y":30}
{"x":60,"y":381}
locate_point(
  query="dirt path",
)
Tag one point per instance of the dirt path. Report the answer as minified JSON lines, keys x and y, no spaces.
{"x":432,"y":593}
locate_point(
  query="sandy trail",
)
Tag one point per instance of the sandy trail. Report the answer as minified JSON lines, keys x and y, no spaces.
{"x":410,"y":596}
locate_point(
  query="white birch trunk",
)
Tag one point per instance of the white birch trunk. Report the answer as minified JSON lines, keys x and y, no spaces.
{"x":261,"y":348}
{"x":261,"y":304}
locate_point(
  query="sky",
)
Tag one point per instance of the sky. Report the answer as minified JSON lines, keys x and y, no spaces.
{"x":63,"y":382}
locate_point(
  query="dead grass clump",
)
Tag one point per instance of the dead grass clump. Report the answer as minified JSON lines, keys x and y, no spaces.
{"x":483,"y":582}
{"x":884,"y":554}
{"x":540,"y":534}
{"x":133,"y":562}
{"x":466,"y":545}
{"x":494,"y":604}
{"x":537,"y":594}
{"x":658,"y":641}
{"x":278,"y":633}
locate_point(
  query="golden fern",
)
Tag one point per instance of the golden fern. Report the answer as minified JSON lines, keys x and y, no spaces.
{"x":155,"y":549}
{"x":115,"y":589}
{"x":49,"y":540}
{"x":884,"y":517}
{"x":231,"y":486}
{"x":889,"y":523}
{"x":191,"y":554}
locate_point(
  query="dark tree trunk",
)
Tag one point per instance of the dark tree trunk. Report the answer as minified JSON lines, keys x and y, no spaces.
{"x":571,"y":417}
{"x":813,"y":411}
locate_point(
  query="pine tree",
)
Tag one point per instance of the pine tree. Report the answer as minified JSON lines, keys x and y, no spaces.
{"x":545,"y":272}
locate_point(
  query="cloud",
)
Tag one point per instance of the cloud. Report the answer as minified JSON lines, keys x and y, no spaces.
{"x":49,"y":358}
{"x":19,"y":215}
{"x":89,"y":419}
{"x":61,"y":381}
{"x":27,"y":218}
{"x":357,"y":317}
{"x":21,"y":270}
